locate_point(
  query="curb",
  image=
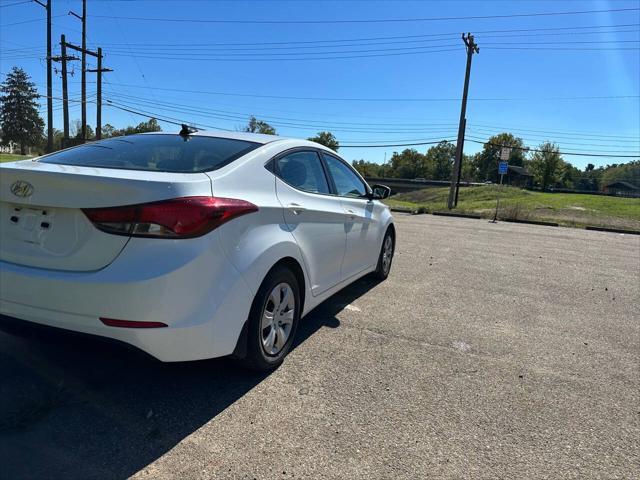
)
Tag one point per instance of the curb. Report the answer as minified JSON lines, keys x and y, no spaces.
{"x":461,"y":215}
{"x":613,"y":230}
{"x":531,"y":222}
{"x":402,"y":210}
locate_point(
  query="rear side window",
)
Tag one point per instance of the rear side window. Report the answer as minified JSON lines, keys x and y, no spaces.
{"x":347,"y":183}
{"x":162,"y":153}
{"x":303,"y":170}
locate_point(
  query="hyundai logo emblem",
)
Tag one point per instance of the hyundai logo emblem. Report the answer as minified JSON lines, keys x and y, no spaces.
{"x":20,"y":188}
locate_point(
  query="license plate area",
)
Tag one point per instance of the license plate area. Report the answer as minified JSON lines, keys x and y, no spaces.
{"x":29,"y":224}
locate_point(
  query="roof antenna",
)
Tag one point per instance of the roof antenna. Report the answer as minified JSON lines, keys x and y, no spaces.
{"x":186,"y":131}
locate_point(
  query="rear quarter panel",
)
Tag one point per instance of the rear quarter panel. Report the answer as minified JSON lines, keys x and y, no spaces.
{"x":254,"y":243}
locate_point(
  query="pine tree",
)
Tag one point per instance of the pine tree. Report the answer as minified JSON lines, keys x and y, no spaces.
{"x":19,"y":119}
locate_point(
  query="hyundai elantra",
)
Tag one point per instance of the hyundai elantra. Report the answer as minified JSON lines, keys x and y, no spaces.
{"x":187,"y":246}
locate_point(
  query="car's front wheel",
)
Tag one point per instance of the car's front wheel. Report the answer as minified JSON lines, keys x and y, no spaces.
{"x":273,"y":320}
{"x":386,"y":255}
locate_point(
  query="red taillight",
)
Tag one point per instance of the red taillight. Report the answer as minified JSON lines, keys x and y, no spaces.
{"x":177,"y":218}
{"x":111,"y":322}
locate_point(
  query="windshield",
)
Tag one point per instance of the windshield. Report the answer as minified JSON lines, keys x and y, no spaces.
{"x":163,"y":153}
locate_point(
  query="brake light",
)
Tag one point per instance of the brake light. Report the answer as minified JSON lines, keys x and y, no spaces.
{"x":184,"y":217}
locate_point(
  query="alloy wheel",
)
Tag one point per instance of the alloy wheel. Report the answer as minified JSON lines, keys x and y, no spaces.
{"x":277,"y":319}
{"x":387,"y":254}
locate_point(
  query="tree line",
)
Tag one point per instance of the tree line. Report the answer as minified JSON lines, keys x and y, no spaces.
{"x":546,"y":164}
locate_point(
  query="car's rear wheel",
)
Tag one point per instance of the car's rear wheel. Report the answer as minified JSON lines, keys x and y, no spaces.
{"x":273,"y":320}
{"x":386,"y":255}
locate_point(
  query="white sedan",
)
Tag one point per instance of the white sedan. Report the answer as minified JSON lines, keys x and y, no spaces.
{"x":187,"y":246}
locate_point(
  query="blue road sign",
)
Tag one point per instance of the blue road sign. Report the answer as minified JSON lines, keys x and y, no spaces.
{"x":502,"y":168}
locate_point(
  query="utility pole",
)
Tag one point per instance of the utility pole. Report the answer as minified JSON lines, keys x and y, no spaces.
{"x":65,"y":92}
{"x":83,"y":19}
{"x":47,"y":6}
{"x":63,"y":58}
{"x":99,"y":71}
{"x":472,"y":48}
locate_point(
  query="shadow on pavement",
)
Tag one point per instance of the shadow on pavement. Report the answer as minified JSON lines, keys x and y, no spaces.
{"x":78,"y":408}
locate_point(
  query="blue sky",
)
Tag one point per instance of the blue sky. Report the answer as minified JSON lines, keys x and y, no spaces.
{"x":402,"y":88}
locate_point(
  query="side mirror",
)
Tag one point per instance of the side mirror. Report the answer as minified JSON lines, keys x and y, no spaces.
{"x":380,"y":192}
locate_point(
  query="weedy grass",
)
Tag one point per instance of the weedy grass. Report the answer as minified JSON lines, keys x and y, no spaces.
{"x":569,"y":209}
{"x":12,"y":157}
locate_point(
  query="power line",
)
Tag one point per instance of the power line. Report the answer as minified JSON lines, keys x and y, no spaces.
{"x":565,"y":140}
{"x":202,"y":50}
{"x":262,"y":59}
{"x":178,"y":122}
{"x":170,"y":120}
{"x":572,"y":145}
{"x":529,"y":149}
{"x":135,"y":59}
{"x":15,"y":3}
{"x":330,"y":52}
{"x":451,"y":34}
{"x":564,"y":42}
{"x":370,"y":99}
{"x":565,"y":49}
{"x":559,"y":132}
{"x":538,"y":34}
{"x":574,"y":152}
{"x":399,"y":127}
{"x":28,"y":21}
{"x":269,"y":117}
{"x":396,"y":144}
{"x":175,"y":121}
{"x":234,"y":116}
{"x":360,"y":21}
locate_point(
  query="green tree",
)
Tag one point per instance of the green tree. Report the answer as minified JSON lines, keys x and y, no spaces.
{"x":108,"y":131}
{"x":469,"y":171}
{"x":259,"y":126}
{"x":486,"y":161}
{"x":368,"y":169}
{"x":19,"y":119}
{"x":626,"y":172}
{"x":439,"y":161}
{"x":151,"y":125}
{"x":570,"y":176}
{"x":408,"y":164}
{"x":76,"y":131}
{"x":327,"y":139}
{"x":547,"y":165}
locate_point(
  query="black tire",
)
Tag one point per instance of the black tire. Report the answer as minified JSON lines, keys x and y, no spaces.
{"x":383,"y":269}
{"x":257,"y":358}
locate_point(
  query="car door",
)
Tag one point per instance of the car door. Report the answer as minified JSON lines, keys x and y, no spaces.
{"x":361,"y":217}
{"x":314,"y":216}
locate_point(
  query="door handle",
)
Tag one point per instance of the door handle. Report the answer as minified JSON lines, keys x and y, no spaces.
{"x":296,"y":208}
{"x":351,"y":213}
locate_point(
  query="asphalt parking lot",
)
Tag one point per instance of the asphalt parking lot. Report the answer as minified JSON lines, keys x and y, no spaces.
{"x":492,"y":351}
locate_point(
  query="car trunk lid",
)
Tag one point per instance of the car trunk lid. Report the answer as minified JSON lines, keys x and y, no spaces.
{"x":41,"y":219}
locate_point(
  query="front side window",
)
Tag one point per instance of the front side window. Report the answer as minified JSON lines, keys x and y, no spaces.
{"x":163,"y":153}
{"x":303,"y":170}
{"x":347,"y":183}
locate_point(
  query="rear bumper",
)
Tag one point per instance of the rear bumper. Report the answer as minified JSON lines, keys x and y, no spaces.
{"x":187,"y":284}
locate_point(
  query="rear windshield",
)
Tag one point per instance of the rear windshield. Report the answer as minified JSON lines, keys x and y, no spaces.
{"x":162,"y":153}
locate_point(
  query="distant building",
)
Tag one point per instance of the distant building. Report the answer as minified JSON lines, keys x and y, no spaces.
{"x":519,"y":177}
{"x":11,"y":147}
{"x":622,"y":189}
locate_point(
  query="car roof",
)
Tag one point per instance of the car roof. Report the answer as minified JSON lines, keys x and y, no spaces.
{"x":246,"y":136}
